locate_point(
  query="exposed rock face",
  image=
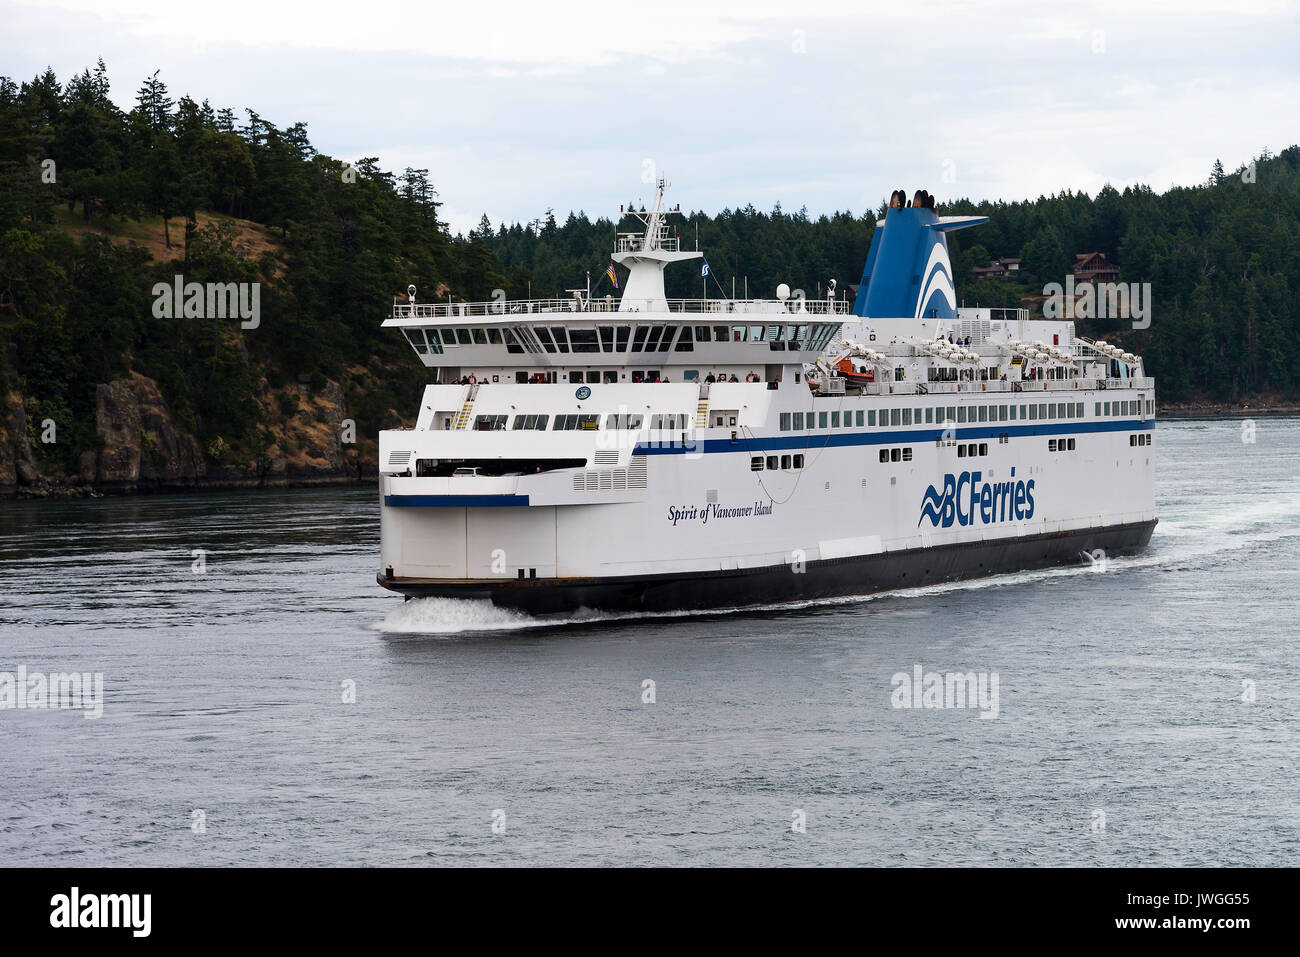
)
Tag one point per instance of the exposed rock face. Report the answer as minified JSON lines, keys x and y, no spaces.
{"x":140,"y":442}
{"x":143,"y":449}
{"x":17,"y":466}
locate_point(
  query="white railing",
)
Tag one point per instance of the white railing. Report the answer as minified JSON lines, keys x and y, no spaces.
{"x":508,"y":308}
{"x":1027,"y":387}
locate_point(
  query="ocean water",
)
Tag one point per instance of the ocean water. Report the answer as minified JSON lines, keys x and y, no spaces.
{"x":1146,"y":710}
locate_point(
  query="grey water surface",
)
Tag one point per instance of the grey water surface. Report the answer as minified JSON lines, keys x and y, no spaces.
{"x":1125,"y":732}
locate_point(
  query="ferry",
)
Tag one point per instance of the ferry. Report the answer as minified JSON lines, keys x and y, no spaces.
{"x":645,"y":453}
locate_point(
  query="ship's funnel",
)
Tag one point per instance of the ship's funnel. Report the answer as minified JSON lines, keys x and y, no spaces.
{"x":908,"y":273}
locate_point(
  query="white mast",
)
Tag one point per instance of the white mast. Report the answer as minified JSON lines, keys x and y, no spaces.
{"x":645,"y":255}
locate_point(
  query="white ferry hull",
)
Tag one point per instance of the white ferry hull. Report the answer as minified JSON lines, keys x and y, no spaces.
{"x":655,"y":455}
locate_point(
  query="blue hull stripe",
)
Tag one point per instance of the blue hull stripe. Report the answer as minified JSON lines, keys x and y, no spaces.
{"x":455,"y":501}
{"x":832,"y":438}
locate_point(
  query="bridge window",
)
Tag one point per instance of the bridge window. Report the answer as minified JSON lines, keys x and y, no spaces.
{"x":544,"y":338}
{"x":620,"y":338}
{"x":416,"y":339}
{"x":669,"y":332}
{"x":536,"y":423}
{"x":606,"y":334}
{"x":480,"y":337}
{"x":494,"y":336}
{"x":584,"y":340}
{"x":702,"y":333}
{"x":560,"y":337}
{"x":512,"y":345}
{"x":686,"y":341}
{"x":738,"y":333}
{"x":638,"y":340}
{"x":720,"y":334}
{"x":755,"y":333}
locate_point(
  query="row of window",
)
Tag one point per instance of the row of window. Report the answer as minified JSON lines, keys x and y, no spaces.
{"x":1139,"y":439}
{"x":946,"y":415}
{"x":641,"y":338}
{"x":896,"y":455}
{"x":969,"y":450}
{"x":1127,"y":407}
{"x":757,"y":463}
{"x":671,"y":421}
{"x":1060,"y":445}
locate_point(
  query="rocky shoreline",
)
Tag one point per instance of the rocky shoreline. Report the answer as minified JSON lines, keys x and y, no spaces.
{"x":142,"y":450}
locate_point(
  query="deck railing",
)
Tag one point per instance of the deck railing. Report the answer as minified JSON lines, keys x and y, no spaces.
{"x":508,"y":308}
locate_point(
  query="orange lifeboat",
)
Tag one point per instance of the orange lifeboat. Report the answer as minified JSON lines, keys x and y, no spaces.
{"x":854,"y":376}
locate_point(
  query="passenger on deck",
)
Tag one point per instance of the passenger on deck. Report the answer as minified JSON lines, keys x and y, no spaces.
{"x":709,"y":378}
{"x":733,"y":378}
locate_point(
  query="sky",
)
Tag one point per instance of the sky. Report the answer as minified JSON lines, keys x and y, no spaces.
{"x":515,"y":108}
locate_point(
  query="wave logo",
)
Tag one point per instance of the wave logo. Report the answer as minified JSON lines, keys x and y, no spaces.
{"x":967,"y":500}
{"x":938,"y":273}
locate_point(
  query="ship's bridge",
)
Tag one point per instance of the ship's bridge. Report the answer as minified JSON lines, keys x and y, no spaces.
{"x":545,"y":334}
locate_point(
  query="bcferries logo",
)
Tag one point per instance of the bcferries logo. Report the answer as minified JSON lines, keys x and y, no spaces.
{"x":968,"y":501}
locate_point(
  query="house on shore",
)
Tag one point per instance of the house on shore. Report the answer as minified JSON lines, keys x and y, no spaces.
{"x":1000,"y":268}
{"x":1093,"y":267}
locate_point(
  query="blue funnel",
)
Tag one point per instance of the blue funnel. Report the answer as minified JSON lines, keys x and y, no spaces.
{"x":908,"y":274}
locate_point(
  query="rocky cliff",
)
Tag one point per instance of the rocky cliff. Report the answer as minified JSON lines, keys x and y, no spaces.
{"x":309,"y":439}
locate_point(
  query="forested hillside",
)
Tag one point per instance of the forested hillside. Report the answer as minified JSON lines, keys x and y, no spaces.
{"x":97,"y":205}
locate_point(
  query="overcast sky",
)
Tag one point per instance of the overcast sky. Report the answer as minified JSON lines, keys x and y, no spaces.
{"x":514,"y":108}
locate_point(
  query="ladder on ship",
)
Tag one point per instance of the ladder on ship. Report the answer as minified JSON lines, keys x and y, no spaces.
{"x":702,"y":407}
{"x":462,"y":418}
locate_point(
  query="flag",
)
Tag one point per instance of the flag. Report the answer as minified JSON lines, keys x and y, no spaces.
{"x":704,"y":270}
{"x":613,"y":276}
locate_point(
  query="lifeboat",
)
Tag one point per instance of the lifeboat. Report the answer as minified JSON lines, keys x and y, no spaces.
{"x":855,"y":377}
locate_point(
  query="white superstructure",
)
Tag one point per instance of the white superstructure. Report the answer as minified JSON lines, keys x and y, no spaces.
{"x":655,"y":453}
